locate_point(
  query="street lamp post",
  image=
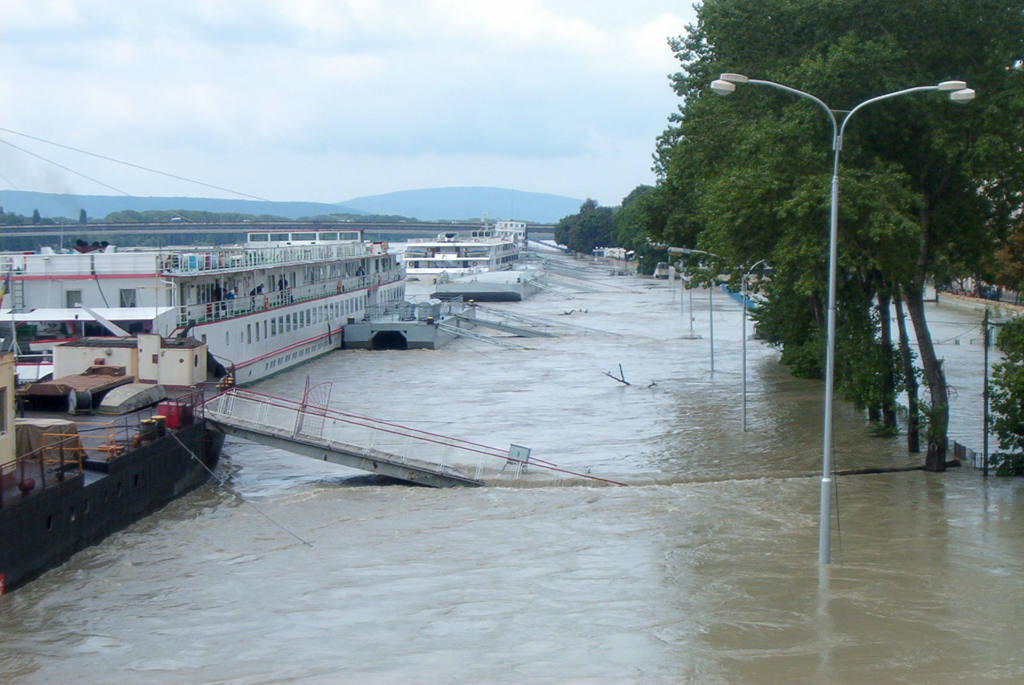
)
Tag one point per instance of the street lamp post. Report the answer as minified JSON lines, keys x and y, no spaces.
{"x":726,"y":84}
{"x":711,"y":290}
{"x":743,"y":285}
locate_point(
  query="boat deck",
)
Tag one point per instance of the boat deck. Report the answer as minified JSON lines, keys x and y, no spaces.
{"x":56,"y":446}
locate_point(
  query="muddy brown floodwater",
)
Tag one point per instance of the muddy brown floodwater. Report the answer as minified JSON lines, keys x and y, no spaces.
{"x":704,"y":569}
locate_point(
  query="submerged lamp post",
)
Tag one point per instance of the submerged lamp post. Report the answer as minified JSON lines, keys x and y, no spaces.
{"x":743,"y":283}
{"x":726,"y":84}
{"x":711,"y":290}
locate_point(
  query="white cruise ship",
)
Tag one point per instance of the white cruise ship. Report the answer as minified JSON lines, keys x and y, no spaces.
{"x":276,"y":301}
{"x":460,"y":253}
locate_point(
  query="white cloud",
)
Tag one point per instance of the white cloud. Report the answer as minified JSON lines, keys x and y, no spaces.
{"x":323,"y":100}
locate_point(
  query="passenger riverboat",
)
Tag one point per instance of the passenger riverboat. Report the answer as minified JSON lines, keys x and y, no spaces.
{"x":457,"y":253}
{"x":277,"y":300}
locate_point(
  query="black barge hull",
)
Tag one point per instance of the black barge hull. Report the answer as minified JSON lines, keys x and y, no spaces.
{"x":43,"y":530}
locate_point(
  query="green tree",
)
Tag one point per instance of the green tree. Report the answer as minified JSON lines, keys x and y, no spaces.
{"x":35,"y":216}
{"x":1007,"y":395}
{"x":83,"y":218}
{"x":927,"y":187}
{"x":633,"y":223}
{"x":589,"y":228}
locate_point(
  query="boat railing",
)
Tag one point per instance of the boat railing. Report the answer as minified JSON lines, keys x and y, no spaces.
{"x":63,"y":453}
{"x":260,"y":301}
{"x":182,"y":263}
{"x":35,"y":357}
{"x":179,"y":262}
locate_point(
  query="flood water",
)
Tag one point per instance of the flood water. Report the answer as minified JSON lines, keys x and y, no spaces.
{"x":704,"y":569}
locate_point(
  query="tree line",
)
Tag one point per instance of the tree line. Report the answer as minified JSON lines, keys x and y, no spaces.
{"x":931,"y":191}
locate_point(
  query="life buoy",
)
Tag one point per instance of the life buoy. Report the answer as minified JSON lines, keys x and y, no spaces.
{"x":266,"y":301}
{"x":341,"y":286}
{"x":378,"y":279}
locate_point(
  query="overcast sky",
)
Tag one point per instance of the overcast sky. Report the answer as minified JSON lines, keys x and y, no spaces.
{"x":325,"y":100}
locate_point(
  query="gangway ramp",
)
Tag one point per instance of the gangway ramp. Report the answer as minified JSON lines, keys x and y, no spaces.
{"x":532,"y":326}
{"x":519,"y":331}
{"x":461,"y":332}
{"x":374,"y":445}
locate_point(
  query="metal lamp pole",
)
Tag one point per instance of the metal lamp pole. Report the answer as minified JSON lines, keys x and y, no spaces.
{"x":711,"y":289}
{"x":726,"y":84}
{"x":743,"y":283}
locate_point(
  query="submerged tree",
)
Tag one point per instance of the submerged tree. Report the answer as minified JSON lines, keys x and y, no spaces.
{"x":1008,"y":400}
{"x":927,"y":186}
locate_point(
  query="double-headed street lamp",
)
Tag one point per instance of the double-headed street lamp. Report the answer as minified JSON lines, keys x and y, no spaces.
{"x":726,"y":84}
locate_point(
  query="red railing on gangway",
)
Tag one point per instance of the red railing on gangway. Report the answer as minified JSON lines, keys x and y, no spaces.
{"x":321,"y":412}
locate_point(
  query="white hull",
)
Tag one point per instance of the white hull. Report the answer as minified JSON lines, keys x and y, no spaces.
{"x":233,"y":342}
{"x":263,"y":307}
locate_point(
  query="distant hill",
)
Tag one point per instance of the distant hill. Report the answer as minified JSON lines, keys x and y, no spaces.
{"x":429,"y":204}
{"x":439,"y":204}
{"x":98,"y":206}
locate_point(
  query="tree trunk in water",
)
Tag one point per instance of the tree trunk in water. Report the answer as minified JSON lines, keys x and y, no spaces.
{"x":938,"y":417}
{"x":888,"y":389}
{"x":910,"y":380}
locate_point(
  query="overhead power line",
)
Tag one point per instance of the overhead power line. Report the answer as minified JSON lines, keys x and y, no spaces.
{"x":116,"y":161}
{"x":68,"y":169}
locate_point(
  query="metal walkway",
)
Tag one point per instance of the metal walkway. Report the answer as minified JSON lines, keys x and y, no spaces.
{"x":519,"y":331}
{"x":312,"y":429}
{"x":460,"y":332}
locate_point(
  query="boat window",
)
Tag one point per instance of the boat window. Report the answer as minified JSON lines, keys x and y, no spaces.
{"x":126,"y":297}
{"x":72,"y":298}
{"x":273,"y":326}
{"x":248,"y":333}
{"x":257,"y":331}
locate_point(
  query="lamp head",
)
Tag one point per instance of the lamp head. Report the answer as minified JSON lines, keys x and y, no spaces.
{"x":722,"y":87}
{"x":963,"y":96}
{"x":952,"y":85}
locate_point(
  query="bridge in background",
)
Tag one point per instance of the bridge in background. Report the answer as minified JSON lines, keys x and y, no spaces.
{"x":384,"y":230}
